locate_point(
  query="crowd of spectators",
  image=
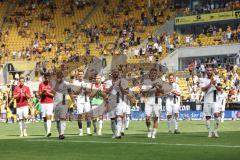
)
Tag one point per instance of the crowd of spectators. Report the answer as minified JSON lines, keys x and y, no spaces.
{"x":210,"y":6}
{"x":225,"y":74}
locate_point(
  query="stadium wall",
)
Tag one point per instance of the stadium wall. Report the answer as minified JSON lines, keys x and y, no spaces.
{"x":173,"y":60}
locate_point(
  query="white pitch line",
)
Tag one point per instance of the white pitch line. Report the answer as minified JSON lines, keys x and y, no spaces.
{"x":141,"y":143}
{"x":101,"y":142}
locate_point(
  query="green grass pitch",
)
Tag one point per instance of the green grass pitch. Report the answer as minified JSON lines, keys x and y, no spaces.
{"x":191,"y":144}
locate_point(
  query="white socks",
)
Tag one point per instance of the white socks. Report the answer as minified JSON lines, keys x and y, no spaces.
{"x":81,"y":130}
{"x":100,"y":124}
{"x":175,"y":122}
{"x":216,"y":124}
{"x":222,"y":117}
{"x":154,"y":131}
{"x":88,"y":130}
{"x":119,"y":126}
{"x":127,"y":121}
{"x":123,"y":126}
{"x":169,"y":124}
{"x":62,"y":127}
{"x":21,"y":126}
{"x":48,"y":126}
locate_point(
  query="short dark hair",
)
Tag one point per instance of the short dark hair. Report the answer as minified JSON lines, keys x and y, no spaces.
{"x":219,"y":84}
{"x":170,"y":74}
{"x":153,"y":70}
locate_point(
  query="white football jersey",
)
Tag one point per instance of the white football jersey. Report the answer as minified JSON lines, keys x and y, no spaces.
{"x":82,"y":97}
{"x":209,"y":94}
{"x":221,"y":98}
{"x":171,"y":98}
{"x":150,"y":96}
{"x":116,"y":86}
{"x":61,"y":91}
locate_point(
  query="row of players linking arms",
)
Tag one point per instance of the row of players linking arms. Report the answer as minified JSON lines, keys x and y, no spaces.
{"x":93,"y":98}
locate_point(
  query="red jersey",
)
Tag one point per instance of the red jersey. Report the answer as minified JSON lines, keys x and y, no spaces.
{"x":22,"y":100}
{"x":45,"y":97}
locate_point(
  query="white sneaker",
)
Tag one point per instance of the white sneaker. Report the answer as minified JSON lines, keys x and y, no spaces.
{"x":153,"y":136}
{"x":149,"y":134}
{"x":81,"y":134}
{"x":216,"y":134}
{"x":210,"y":135}
{"x":113,"y":136}
{"x":25,"y":133}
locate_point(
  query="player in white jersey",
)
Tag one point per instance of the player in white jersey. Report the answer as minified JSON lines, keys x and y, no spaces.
{"x":60,"y":89}
{"x":118,"y":89}
{"x":221,"y":99}
{"x":209,"y":86}
{"x":173,"y":104}
{"x":128,"y":115}
{"x":125,"y":102}
{"x":98,"y":96}
{"x":152,"y":102}
{"x":83,"y":103}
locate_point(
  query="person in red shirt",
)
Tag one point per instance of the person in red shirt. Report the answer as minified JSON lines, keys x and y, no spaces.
{"x":46,"y":99}
{"x":22,"y":94}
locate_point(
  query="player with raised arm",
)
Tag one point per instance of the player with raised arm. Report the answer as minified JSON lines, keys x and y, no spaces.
{"x":152,"y":108}
{"x":61,"y":89}
{"x":83,"y":102}
{"x":173,"y":104}
{"x":21,"y":94}
{"x":46,"y":99}
{"x":209,"y":86}
{"x":117,"y":89}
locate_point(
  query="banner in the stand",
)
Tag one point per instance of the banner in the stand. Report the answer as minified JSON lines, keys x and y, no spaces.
{"x":201,"y":18}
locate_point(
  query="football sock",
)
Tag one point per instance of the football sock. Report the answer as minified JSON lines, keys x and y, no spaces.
{"x":21,"y":125}
{"x":169,"y":124}
{"x":49,"y":124}
{"x":63,"y":127}
{"x":222,"y":117}
{"x":175,"y":121}
{"x":127,"y":121}
{"x":100,"y":124}
{"x":119,"y":126}
{"x":154,"y":131}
